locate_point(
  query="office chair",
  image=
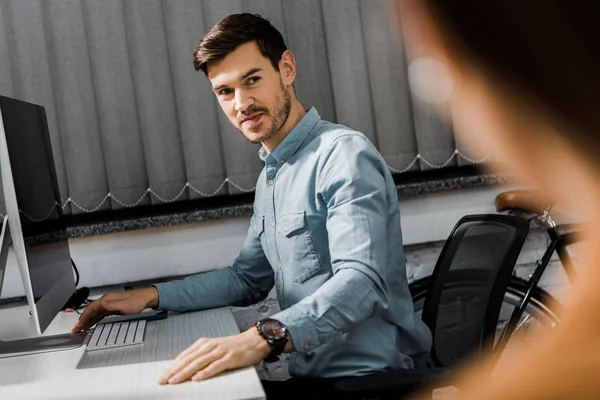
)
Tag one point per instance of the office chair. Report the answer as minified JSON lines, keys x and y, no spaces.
{"x":461,"y":308}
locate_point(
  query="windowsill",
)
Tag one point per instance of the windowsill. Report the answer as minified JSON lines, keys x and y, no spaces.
{"x":237,"y":206}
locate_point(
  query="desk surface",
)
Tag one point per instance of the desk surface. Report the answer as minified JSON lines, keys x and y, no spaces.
{"x":126,"y":373}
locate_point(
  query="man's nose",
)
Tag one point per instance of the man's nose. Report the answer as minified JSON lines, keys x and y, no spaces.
{"x":242,"y":101}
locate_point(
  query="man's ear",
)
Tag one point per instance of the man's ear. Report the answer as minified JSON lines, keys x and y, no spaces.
{"x":287,"y":68}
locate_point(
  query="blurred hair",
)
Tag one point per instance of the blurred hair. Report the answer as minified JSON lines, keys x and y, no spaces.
{"x":548,"y":50}
{"x":235,"y":30}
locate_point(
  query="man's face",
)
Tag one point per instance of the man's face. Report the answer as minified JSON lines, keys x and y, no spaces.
{"x":251,"y":92}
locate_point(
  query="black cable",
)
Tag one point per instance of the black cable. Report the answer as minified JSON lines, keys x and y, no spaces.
{"x":80,"y":298}
{"x":76,"y":272}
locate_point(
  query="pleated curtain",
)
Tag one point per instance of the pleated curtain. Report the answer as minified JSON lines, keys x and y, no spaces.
{"x":132,"y":123}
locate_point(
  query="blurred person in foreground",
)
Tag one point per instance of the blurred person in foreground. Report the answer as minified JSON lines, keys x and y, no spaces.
{"x":523,"y":77}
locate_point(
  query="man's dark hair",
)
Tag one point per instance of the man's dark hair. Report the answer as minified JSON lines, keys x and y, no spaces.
{"x":234,"y":31}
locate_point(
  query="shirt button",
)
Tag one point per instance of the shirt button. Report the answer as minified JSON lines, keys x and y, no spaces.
{"x":307,"y":346}
{"x":273,"y":223}
{"x":278,"y":266}
{"x":271,"y":182}
{"x":282,"y":161}
{"x":285,"y":228}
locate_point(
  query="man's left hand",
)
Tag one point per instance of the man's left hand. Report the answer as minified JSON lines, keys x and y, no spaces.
{"x":209,"y":357}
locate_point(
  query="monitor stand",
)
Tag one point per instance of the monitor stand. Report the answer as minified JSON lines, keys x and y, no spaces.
{"x":41,"y":344}
{"x":33,"y":345}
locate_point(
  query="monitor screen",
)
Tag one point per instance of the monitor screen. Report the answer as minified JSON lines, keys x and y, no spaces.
{"x":37,"y":194}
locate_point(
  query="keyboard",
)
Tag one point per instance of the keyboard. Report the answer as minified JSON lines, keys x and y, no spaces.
{"x":117,"y":334}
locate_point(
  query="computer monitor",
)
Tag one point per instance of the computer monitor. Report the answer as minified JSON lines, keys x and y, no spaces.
{"x":35,"y":218}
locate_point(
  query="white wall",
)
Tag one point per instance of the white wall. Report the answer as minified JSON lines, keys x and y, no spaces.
{"x":430,"y":218}
{"x":191,"y":248}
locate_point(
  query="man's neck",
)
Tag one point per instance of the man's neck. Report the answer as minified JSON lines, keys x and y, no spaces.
{"x":297,"y":112}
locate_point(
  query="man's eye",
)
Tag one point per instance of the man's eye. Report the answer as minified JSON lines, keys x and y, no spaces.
{"x":224,"y":92}
{"x":253,"y":80}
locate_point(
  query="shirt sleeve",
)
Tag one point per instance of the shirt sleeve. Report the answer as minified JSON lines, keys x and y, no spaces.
{"x":246,"y":282}
{"x":352,"y":187}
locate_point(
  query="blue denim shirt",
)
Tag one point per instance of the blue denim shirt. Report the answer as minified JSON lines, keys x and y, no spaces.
{"x":326,"y":233}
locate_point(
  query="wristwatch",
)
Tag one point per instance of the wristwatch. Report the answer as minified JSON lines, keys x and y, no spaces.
{"x":276,"y":335}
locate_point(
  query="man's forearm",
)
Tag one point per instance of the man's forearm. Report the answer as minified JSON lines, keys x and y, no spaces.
{"x":344,"y":301}
{"x":218,"y":288}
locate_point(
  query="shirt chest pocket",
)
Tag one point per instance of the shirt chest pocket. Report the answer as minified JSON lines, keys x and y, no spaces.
{"x":295,"y":247}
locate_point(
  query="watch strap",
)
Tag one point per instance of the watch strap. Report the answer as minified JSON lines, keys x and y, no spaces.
{"x":276,"y":350}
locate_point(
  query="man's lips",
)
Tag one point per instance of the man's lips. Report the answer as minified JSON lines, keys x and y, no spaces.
{"x":252,"y":118}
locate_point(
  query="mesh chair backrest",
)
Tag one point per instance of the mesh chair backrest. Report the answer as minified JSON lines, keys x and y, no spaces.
{"x":468,"y":286}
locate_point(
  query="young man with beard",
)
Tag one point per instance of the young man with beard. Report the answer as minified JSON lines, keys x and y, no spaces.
{"x":325,"y":232}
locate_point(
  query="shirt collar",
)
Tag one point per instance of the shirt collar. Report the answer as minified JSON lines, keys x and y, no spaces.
{"x":290,"y":144}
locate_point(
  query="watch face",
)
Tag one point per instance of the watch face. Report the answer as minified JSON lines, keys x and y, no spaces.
{"x":273,"y":329}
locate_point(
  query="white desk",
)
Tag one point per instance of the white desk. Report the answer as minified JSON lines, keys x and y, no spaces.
{"x":126,"y":373}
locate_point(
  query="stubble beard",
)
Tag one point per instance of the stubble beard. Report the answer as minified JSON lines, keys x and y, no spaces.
{"x":278,"y":117}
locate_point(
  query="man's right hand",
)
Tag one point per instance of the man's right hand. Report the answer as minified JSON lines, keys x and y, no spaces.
{"x":123,"y":303}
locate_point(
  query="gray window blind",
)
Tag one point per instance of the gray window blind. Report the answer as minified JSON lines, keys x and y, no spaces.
{"x":132,"y":123}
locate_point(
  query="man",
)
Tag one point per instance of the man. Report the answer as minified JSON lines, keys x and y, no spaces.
{"x":325,"y":232}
